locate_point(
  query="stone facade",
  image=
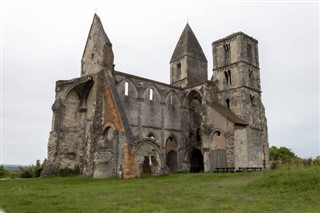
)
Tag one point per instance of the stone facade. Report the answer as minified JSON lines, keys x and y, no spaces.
{"x":110,"y":123}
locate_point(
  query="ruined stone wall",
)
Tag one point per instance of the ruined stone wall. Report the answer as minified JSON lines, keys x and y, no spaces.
{"x":109,"y":123}
{"x":156,"y":119}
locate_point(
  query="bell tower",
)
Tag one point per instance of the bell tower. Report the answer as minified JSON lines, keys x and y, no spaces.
{"x":236,"y":73}
{"x":188,"y":64}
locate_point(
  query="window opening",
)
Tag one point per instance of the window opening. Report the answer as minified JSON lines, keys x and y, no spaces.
{"x":150,"y":135}
{"x":151,"y":94}
{"x":126,"y":88}
{"x":226,"y":51}
{"x":198,"y":135}
{"x":178,"y":75}
{"x":226,"y":77}
{"x":228,"y":103}
{"x":229,"y":74}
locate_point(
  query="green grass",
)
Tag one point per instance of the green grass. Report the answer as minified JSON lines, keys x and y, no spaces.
{"x":285,"y":190}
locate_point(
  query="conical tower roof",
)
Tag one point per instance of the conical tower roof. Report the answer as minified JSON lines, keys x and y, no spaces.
{"x":188,"y":45}
{"x":96,"y":33}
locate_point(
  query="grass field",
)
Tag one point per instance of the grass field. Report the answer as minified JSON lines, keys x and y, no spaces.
{"x":285,"y":190}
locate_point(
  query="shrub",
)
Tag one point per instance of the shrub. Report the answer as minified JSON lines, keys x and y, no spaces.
{"x":25,"y":172}
{"x":4,"y":172}
{"x":281,"y":153}
{"x":32,"y":171}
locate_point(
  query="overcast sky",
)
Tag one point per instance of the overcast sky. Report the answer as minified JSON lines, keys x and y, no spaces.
{"x":43,"y":41}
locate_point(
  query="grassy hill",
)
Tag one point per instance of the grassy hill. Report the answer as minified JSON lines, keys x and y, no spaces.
{"x":285,"y":190}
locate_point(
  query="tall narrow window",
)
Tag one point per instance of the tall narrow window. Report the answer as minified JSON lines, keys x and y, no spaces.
{"x":228,"y":103}
{"x":171,"y":98}
{"x":226,"y":51}
{"x":151,"y":94}
{"x":229,"y":74}
{"x":226,"y":76}
{"x":178,"y":73}
{"x":126,"y":88}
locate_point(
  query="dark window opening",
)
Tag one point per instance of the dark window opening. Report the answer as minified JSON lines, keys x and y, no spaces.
{"x":198,"y":135}
{"x":226,"y":77}
{"x":228,"y":103}
{"x":151,"y":135}
{"x":226,"y":51}
{"x":218,"y":133}
{"x":178,"y":73}
{"x":229,"y":74}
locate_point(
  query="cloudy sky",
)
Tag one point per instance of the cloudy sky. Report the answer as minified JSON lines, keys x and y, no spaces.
{"x":43,"y":41}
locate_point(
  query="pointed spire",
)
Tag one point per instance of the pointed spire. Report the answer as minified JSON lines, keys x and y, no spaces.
{"x":97,"y":32}
{"x":98,"y":52}
{"x":188,"y":45}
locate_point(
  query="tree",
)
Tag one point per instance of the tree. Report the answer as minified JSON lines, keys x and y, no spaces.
{"x":281,"y":154}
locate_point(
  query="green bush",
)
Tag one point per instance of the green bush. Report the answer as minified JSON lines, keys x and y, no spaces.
{"x":32,"y":171}
{"x":25,"y":172}
{"x":4,"y":172}
{"x":281,"y":154}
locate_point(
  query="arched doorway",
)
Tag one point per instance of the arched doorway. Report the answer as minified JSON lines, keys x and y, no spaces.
{"x":171,"y":154}
{"x":171,"y":161}
{"x":196,"y":161}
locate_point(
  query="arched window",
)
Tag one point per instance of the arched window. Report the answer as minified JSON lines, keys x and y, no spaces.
{"x":151,"y":94}
{"x":228,"y":102}
{"x":229,"y":74}
{"x":126,"y":88}
{"x":151,"y":135}
{"x":226,"y":77}
{"x":226,"y":51}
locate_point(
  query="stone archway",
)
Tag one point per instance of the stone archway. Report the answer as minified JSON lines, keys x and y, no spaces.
{"x":171,"y":154}
{"x":196,"y":161}
{"x":171,"y":161}
{"x":148,"y":157}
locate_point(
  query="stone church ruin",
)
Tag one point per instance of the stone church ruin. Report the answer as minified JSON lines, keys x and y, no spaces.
{"x":110,"y":123}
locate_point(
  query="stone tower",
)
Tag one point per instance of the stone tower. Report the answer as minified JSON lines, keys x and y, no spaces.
{"x":188,"y":64}
{"x":237,"y":74}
